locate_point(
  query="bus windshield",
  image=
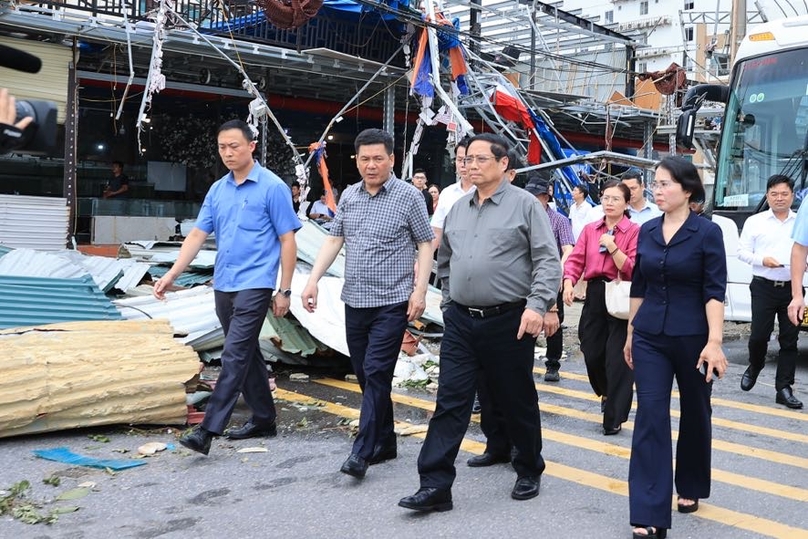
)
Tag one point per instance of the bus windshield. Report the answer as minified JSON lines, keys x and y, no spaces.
{"x":765,"y":126}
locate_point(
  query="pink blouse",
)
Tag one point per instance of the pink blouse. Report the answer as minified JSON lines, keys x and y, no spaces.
{"x":586,"y":259}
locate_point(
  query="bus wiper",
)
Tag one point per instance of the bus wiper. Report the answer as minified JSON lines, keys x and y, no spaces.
{"x":797,"y":166}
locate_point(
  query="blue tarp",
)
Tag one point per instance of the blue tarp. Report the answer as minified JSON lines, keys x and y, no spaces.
{"x":66,"y":456}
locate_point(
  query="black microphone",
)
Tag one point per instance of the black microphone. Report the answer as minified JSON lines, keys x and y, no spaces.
{"x":19,"y":60}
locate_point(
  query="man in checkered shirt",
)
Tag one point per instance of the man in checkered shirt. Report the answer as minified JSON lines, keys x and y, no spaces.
{"x":383,"y":223}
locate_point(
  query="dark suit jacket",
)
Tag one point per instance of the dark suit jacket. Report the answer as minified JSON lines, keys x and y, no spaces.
{"x":676,"y":280}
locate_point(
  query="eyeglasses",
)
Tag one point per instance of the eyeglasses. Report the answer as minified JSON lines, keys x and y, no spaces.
{"x":612,"y":199}
{"x":481,"y":159}
{"x":660,"y":185}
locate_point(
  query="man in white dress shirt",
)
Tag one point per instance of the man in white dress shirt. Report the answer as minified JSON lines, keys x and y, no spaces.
{"x":452,"y":193}
{"x":580,"y":210}
{"x":766,"y":245}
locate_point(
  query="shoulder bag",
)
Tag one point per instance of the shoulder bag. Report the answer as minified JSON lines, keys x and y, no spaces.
{"x":617,"y":297}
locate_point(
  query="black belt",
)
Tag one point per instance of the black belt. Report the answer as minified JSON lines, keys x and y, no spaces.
{"x":488,"y":312}
{"x":776,"y":284}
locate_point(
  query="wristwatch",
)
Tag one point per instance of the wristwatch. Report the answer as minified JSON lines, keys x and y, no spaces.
{"x":285,"y":293}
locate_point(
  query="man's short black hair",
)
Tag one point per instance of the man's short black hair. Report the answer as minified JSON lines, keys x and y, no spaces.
{"x":419,"y":171}
{"x":295,"y":184}
{"x":464,"y":142}
{"x":372,"y":136}
{"x":632,"y":174}
{"x":499,"y":145}
{"x":777,"y":179}
{"x":583,"y":189}
{"x":241,"y":125}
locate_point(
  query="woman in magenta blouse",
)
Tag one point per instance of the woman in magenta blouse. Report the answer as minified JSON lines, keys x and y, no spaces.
{"x":604,"y":248}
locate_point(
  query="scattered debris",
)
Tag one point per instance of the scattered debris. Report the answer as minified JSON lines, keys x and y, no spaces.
{"x":252,"y":450}
{"x":73,"y":494}
{"x":409,"y":431}
{"x":99,"y":438}
{"x":151,"y":448}
{"x":54,"y":480}
{"x":15,"y":503}
{"x":298,"y":377}
{"x":351,"y":378}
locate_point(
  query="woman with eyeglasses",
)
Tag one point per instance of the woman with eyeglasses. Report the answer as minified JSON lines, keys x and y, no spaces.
{"x":675,"y":330}
{"x":604,"y":252}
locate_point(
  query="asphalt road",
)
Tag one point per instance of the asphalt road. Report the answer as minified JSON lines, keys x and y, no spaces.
{"x":294,"y":489}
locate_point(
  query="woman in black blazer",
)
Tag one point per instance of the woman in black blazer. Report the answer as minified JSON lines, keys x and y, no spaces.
{"x":675,"y":330}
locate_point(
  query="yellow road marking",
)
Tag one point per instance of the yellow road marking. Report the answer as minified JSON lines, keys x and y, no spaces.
{"x":745,"y":406}
{"x":768,"y":528}
{"x":720,"y":445}
{"x":762,"y":485}
{"x":717,"y":421}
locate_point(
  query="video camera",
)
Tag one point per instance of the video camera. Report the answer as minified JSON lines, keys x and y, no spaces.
{"x":40,"y":135}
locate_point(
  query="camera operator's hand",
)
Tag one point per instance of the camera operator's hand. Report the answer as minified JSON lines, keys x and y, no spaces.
{"x":8,"y":111}
{"x":11,"y":132}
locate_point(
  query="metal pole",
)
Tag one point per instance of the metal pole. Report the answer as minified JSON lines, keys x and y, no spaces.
{"x":474,"y":26}
{"x":71,"y":138}
{"x":738,"y":29}
{"x":389,"y":113}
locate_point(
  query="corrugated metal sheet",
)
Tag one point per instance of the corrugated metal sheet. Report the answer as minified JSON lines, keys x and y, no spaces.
{"x":309,"y":239}
{"x":33,"y":222}
{"x":186,"y":279}
{"x":293,"y":338}
{"x":31,"y":263}
{"x":123,"y":273}
{"x":50,"y":84}
{"x":120,"y":273}
{"x":191,"y":311}
{"x":84,"y":374}
{"x":28,"y":301}
{"x":161,"y":252}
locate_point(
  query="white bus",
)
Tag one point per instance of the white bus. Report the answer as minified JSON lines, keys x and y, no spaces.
{"x":764,"y":132}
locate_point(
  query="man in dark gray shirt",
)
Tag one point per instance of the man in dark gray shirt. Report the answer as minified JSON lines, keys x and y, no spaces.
{"x":383,"y":223}
{"x":499,"y":268}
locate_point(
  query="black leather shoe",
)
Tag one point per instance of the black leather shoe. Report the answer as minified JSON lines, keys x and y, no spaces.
{"x":487,"y":459}
{"x":551,"y":374}
{"x":429,"y":499}
{"x":197,"y":440}
{"x":786,"y":397}
{"x":611,"y":431}
{"x":749,"y":377}
{"x":355,"y":466}
{"x":382,"y":453}
{"x":251,"y":430}
{"x":476,"y":408}
{"x":526,"y":488}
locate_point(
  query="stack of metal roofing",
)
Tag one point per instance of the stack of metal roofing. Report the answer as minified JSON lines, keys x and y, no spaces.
{"x":108,"y":273}
{"x":34,"y":222}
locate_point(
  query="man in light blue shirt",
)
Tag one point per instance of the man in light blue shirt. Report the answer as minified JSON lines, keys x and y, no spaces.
{"x":640,"y":210}
{"x":799,"y":252}
{"x":250,"y":210}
